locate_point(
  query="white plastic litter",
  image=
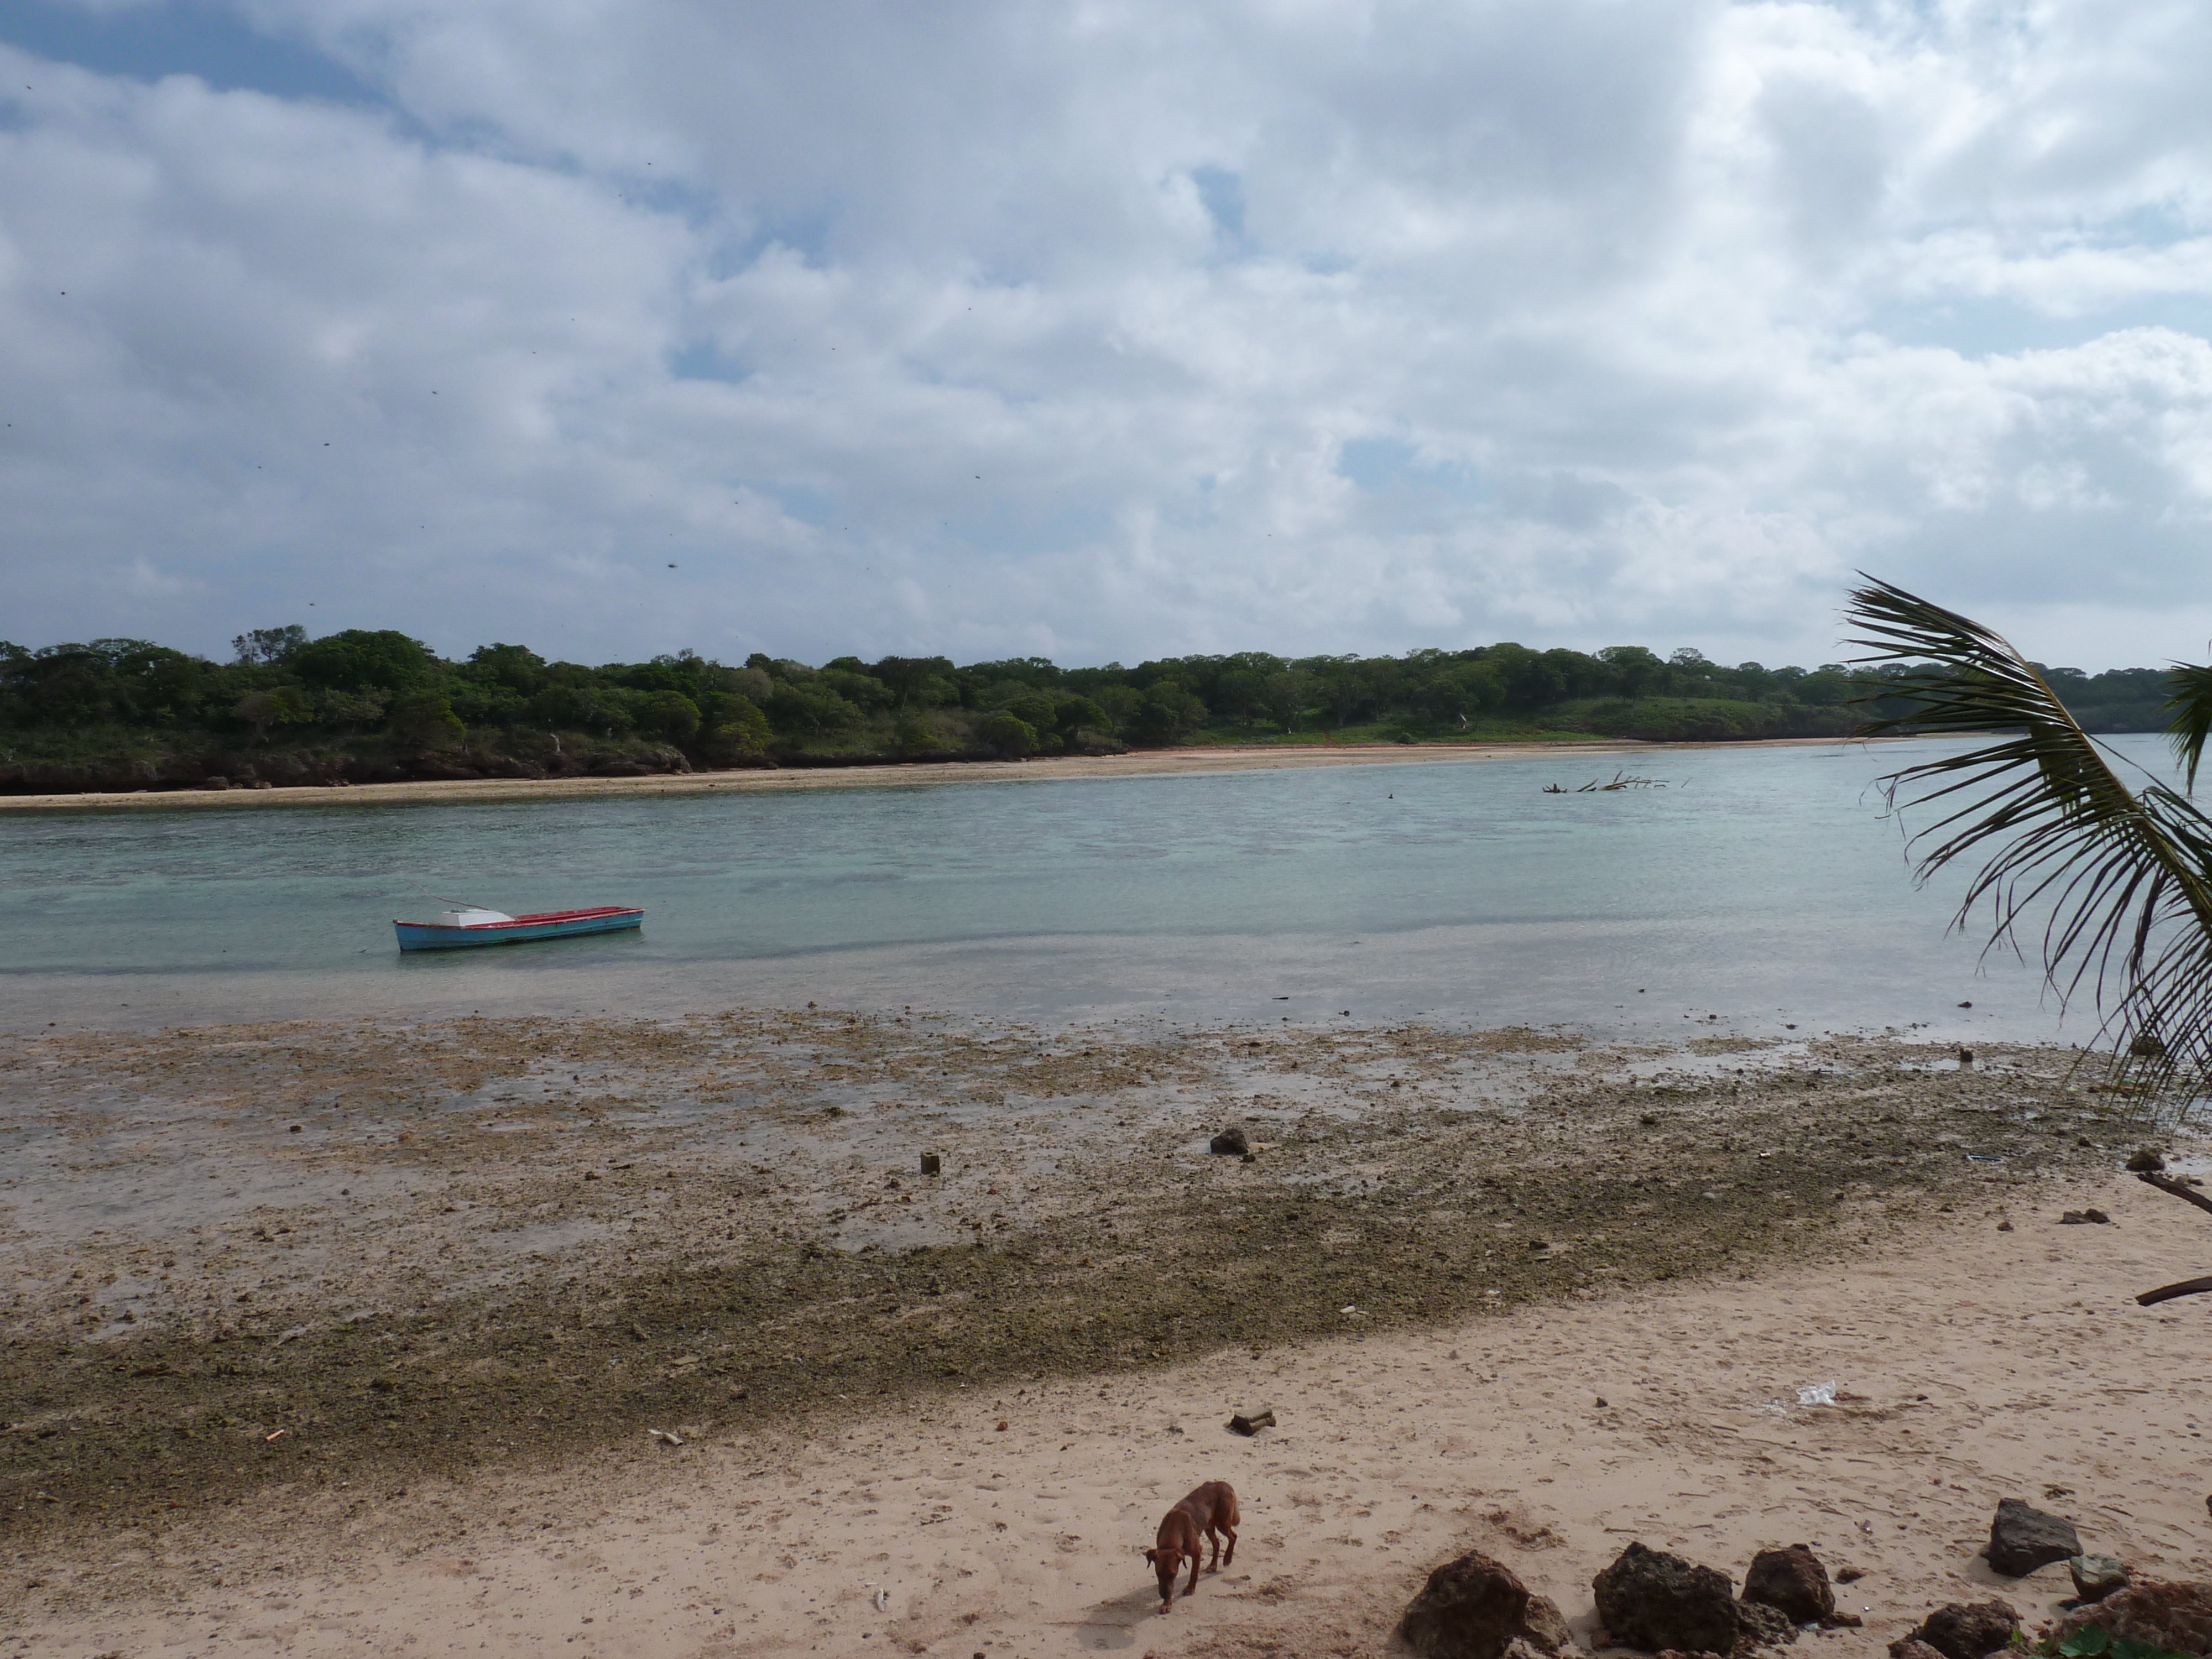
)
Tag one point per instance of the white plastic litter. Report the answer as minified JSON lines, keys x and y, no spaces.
{"x":1812,"y":1394}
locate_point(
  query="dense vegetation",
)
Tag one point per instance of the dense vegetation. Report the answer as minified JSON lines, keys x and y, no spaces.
{"x":365,"y":705}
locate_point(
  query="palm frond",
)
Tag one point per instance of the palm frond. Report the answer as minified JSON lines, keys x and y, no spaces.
{"x":2189,"y":698}
{"x":2122,"y":878}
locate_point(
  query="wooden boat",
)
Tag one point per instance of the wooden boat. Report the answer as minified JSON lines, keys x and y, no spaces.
{"x":467,"y":926}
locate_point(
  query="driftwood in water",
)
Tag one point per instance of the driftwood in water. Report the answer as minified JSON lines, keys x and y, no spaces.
{"x":2167,"y":1183}
{"x":1619,"y":781}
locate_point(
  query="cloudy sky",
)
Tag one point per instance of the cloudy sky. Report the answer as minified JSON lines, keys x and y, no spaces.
{"x":1106,"y":329}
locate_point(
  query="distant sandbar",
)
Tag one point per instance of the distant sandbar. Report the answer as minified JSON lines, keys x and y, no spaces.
{"x":1159,"y":763}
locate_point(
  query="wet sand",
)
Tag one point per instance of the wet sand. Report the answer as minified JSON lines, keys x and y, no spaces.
{"x":377,"y":1379}
{"x":1167,"y":763}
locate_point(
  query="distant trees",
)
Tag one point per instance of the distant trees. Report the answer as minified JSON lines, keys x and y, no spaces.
{"x":381,"y":691}
{"x":269,"y":646}
{"x":359,"y":659}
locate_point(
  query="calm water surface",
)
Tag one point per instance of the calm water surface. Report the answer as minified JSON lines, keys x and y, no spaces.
{"x":1762,"y":884}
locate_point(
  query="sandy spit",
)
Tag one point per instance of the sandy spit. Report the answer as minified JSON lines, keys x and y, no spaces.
{"x":1146,"y":763}
{"x":1968,"y":1365}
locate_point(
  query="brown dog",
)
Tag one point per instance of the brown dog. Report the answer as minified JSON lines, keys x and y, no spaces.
{"x":1209,"y":1512}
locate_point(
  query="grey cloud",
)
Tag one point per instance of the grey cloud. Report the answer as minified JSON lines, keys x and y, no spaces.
{"x":1105,"y":332}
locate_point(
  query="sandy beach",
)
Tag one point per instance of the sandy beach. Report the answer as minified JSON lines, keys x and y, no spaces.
{"x":1151,"y":763}
{"x":1969,"y":1366}
{"x":387,"y":1381}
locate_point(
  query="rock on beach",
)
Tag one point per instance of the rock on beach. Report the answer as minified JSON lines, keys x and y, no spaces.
{"x":1964,"y":1630}
{"x":1470,"y":1608}
{"x":2023,"y":1538}
{"x":1793,"y":1581}
{"x":2176,"y":1617}
{"x":1651,"y":1600}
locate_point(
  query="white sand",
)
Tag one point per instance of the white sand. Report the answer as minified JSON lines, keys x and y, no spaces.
{"x":1980,"y":1365}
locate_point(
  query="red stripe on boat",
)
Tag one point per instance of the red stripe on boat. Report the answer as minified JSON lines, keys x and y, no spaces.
{"x":539,"y":920}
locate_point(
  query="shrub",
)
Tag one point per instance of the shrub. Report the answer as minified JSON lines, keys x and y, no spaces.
{"x":1010,"y":735}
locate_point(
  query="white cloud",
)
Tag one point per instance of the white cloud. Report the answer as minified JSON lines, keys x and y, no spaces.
{"x":1118,"y":329}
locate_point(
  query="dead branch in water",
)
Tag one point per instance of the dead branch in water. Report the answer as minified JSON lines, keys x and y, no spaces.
{"x":1619,"y":781}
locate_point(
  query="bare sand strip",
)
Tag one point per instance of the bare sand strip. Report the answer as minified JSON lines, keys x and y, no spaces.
{"x":1169,"y":763}
{"x":1970,"y":1365}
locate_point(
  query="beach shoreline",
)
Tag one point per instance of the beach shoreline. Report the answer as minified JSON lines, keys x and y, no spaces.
{"x":296,"y":1302}
{"x":1165,"y":762}
{"x":1948,"y":1366}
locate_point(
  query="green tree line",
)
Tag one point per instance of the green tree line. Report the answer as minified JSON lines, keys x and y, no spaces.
{"x":363,"y":704}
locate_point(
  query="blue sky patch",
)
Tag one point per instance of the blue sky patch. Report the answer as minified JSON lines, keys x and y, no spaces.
{"x":179,"y":37}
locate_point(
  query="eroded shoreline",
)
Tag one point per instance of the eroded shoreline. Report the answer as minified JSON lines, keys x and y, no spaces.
{"x":514,"y":1242}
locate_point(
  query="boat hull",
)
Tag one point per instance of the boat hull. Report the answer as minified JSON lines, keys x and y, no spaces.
{"x":522,"y":930}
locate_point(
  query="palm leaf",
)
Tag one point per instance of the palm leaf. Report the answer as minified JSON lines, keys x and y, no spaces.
{"x":2122,"y":878}
{"x":2192,"y":703}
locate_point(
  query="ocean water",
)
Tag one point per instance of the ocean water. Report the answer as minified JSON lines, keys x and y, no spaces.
{"x":1765,"y":885}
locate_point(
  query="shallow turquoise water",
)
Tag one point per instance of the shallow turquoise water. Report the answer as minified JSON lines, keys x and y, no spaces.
{"x":1762,"y":884}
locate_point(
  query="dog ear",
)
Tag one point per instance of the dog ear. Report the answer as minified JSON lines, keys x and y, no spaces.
{"x":1152,"y":1556}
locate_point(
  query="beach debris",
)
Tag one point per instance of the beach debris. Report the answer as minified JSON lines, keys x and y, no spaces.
{"x":932,"y":1164}
{"x":2172,"y":1618}
{"x":2180,"y":1190}
{"x":881,"y":1600}
{"x":1966,"y":1056}
{"x":1250,"y":1423}
{"x":1850,"y":1575}
{"x":1793,"y":1581}
{"x":1963,"y":1629}
{"x":2023,"y":1538}
{"x":666,"y":1436}
{"x":2144,"y":1158}
{"x":2096,"y":1577}
{"x":1231,"y":1142}
{"x":2085,"y":1218}
{"x":1470,"y":1608}
{"x":2004,"y":1226}
{"x":1651,"y":1600}
{"x":1809,"y":1394}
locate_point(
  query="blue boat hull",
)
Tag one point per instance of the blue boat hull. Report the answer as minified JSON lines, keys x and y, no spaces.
{"x":526,"y":930}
